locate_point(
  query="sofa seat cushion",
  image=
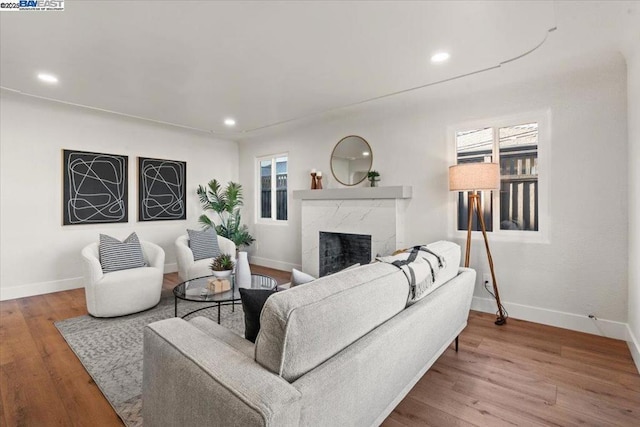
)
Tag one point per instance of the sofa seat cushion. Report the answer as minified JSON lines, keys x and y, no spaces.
{"x":306,"y":325}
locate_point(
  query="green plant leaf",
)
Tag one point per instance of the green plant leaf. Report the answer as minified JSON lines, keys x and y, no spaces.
{"x":226,"y":203}
{"x":205,"y":221}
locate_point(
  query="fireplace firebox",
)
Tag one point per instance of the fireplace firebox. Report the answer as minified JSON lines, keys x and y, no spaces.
{"x":341,"y":250}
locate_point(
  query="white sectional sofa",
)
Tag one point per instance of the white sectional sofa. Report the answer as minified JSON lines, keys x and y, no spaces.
{"x":340,"y":351}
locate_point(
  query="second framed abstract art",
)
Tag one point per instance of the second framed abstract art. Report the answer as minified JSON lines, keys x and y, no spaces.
{"x":161,"y":189}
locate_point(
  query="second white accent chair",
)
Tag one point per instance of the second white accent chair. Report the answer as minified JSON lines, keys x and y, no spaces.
{"x":188,"y":268}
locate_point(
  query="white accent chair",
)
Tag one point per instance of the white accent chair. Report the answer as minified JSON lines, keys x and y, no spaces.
{"x":125,"y":291}
{"x":188,"y":268}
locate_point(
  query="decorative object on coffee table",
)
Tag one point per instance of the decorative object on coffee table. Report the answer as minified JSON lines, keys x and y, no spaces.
{"x":218,"y":285}
{"x":473,"y":177}
{"x":313,"y":179}
{"x":319,"y":180}
{"x":373,"y":177}
{"x":222,"y":265}
{"x":243,"y":271}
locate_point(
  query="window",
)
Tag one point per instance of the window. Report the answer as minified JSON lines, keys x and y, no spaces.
{"x":516,"y":208}
{"x":272,"y":184}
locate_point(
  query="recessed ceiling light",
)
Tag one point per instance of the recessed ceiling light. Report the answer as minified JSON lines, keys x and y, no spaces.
{"x":229,"y":122}
{"x":365,"y":153}
{"x":440,"y":57}
{"x":48,"y":78}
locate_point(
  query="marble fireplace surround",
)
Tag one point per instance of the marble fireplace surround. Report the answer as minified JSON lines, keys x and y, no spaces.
{"x":375,"y":211}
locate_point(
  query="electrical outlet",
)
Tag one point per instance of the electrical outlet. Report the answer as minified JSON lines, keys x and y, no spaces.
{"x":486,"y":278}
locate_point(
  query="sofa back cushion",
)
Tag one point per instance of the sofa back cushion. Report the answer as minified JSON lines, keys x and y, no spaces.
{"x":308,"y":324}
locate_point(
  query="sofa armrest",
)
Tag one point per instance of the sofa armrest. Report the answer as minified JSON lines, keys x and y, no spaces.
{"x":191,"y":378}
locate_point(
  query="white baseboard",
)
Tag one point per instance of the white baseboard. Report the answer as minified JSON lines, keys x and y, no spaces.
{"x":40,"y":288}
{"x":171,"y":268}
{"x":560,"y":319}
{"x":634,"y":346}
{"x":278,"y":265}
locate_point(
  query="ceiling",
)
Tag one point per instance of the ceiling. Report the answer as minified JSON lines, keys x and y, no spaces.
{"x":195,"y":63}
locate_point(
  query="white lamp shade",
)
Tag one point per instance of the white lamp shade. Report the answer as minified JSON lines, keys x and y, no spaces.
{"x":474,"y":176}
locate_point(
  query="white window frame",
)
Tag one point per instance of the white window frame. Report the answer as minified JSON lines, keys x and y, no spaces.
{"x":258,"y":200}
{"x":543,"y":118}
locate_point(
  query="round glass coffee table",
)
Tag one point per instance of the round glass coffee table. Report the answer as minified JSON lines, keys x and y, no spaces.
{"x":196,"y":290}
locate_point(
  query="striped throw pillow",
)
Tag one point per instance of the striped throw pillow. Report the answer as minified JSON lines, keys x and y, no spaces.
{"x":204,"y":244}
{"x":116,"y":255}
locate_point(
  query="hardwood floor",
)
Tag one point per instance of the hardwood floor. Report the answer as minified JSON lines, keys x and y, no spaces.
{"x":519,"y":374}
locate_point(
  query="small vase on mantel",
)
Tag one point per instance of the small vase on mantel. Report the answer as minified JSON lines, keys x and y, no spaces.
{"x":243,"y":271}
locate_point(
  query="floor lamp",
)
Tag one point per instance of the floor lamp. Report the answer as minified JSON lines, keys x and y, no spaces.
{"x":473,"y":177}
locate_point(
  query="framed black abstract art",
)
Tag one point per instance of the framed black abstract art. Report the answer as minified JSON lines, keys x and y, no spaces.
{"x":95,"y":188}
{"x":161,"y":189}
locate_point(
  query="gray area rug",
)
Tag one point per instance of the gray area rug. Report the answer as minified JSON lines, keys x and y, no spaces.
{"x":111,"y":349}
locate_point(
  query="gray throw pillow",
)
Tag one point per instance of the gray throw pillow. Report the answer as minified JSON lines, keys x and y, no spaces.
{"x":204,"y":244}
{"x":116,"y":255}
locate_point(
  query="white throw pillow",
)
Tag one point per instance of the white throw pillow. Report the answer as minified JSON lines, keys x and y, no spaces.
{"x":299,"y":278}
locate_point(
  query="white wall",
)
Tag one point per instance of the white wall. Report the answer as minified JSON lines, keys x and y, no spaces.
{"x":583,"y":268}
{"x":38,"y":254}
{"x":633,"y":100}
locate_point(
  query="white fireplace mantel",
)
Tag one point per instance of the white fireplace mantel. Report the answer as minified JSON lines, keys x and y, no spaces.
{"x":355,"y":193}
{"x":374,"y":211}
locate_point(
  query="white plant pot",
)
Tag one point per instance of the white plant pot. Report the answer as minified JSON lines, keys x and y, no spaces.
{"x":222,"y":274}
{"x":243,"y":272}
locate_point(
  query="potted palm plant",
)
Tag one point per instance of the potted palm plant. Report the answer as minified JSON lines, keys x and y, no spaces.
{"x":226,"y":203}
{"x":222,"y":265}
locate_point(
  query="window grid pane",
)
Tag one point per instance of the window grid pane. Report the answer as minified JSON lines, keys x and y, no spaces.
{"x":265,"y":189}
{"x":281,"y":188}
{"x":475,"y":146}
{"x":518,"y":147}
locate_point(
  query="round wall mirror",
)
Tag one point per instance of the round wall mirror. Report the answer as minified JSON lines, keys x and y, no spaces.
{"x":351,"y":160}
